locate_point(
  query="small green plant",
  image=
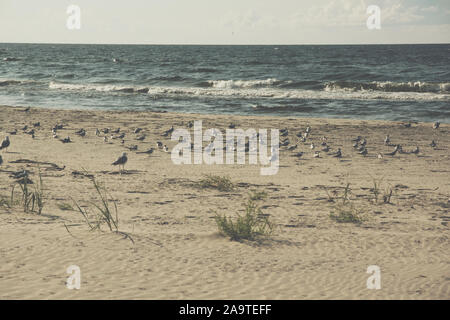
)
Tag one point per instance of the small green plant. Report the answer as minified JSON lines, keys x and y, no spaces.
{"x":387,"y":194}
{"x":334,"y":194}
{"x":250,"y":226}
{"x":32,"y":199}
{"x":258,"y":195}
{"x":105,"y":213}
{"x":376,"y":189}
{"x":347,"y":213}
{"x":216,"y":182}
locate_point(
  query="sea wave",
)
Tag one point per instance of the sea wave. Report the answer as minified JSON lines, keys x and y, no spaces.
{"x":245,"y":83}
{"x":13,"y":82}
{"x":389,"y":86}
{"x":252,"y":92}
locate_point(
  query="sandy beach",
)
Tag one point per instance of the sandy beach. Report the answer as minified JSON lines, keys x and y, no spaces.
{"x":177,"y":251}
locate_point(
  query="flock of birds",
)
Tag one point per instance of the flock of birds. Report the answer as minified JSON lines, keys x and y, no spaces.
{"x":359,"y":143}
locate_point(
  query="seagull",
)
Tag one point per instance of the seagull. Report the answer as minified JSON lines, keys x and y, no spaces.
{"x":97,"y":132}
{"x":5,"y":143}
{"x":291,"y":148}
{"x":416,"y":150}
{"x":137,"y":130}
{"x":436,"y":125}
{"x":166,"y":149}
{"x":166,"y":133}
{"x":115,"y":131}
{"x":140,"y":138}
{"x":433,"y":144}
{"x":312,"y":145}
{"x":191,"y":124}
{"x":284,"y":133}
{"x":355,"y":145}
{"x":284,"y":143}
{"x":37,"y":124}
{"x":380,"y":156}
{"x":66,"y":140}
{"x":364,"y":142}
{"x":299,"y":154}
{"x":326,"y":148}
{"x":159,"y":144}
{"x":14,"y":132}
{"x":338,"y":153}
{"x":231,"y":126}
{"x":105,"y":139}
{"x":308,"y":129}
{"x":132,"y":148}
{"x":363,"y":152}
{"x":357,"y":139}
{"x":25,"y":128}
{"x":121,"y":161}
{"x":316,"y":154}
{"x":81,"y":132}
{"x":407,"y":125}
{"x":387,"y":140}
{"x":397,"y":148}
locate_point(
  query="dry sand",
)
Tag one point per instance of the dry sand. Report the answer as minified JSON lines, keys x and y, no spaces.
{"x":177,"y":251}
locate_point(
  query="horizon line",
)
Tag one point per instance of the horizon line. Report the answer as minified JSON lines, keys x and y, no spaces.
{"x":221,"y":44}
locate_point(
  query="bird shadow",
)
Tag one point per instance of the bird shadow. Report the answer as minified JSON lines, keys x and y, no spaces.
{"x":125,"y":172}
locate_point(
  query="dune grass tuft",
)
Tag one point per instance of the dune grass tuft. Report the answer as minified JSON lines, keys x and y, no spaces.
{"x":32,"y":199}
{"x":105,"y":213}
{"x":250,"y":226}
{"x":216,"y":182}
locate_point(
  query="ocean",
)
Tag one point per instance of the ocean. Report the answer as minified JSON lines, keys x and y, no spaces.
{"x":386,"y":82}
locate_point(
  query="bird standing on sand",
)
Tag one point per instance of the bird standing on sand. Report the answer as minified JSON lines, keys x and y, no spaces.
{"x":121,"y":161}
{"x":432,"y":144}
{"x":387,"y":140}
{"x":436,"y":125}
{"x":338,"y":153}
{"x":5,"y":143}
{"x":316,"y":154}
{"x":416,"y":150}
{"x":363,"y":152}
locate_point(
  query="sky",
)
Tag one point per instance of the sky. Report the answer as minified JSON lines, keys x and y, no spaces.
{"x":225,"y":22}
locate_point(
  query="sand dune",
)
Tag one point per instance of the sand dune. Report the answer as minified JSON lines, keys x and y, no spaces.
{"x":177,"y":251}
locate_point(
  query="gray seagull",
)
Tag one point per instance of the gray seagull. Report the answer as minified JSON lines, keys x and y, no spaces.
{"x":121,"y":161}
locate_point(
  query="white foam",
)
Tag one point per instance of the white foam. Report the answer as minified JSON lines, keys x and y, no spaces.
{"x":251,"y":92}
